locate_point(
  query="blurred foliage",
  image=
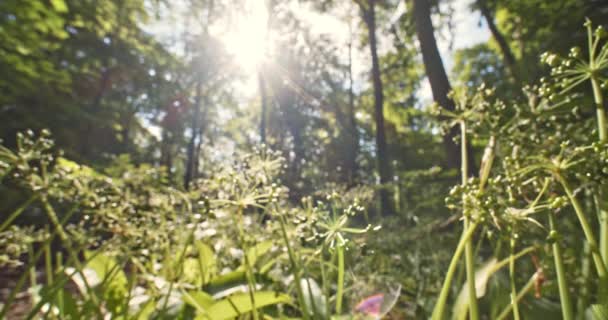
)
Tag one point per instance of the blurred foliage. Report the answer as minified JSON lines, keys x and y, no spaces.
{"x":155,"y":182}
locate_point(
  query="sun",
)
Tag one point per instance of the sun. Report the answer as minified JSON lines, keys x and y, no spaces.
{"x":246,"y":39}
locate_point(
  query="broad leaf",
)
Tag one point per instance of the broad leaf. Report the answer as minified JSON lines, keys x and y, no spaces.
{"x":239,"y":304}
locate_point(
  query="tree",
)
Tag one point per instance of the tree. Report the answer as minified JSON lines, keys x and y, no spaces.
{"x":438,"y":78}
{"x":368,"y":12}
{"x":507,"y":54}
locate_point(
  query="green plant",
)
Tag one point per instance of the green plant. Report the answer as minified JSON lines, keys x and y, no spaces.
{"x":541,"y":155}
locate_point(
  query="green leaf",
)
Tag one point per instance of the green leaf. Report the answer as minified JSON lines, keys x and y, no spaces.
{"x":238,"y":304}
{"x":206,"y":261}
{"x":145,"y":312}
{"x":314,"y":298}
{"x":59,"y":5}
{"x":257,"y":251}
{"x":482,"y":275}
{"x":68,"y":307}
{"x":225,"y":282}
{"x":201,"y":301}
{"x":599,"y":312}
{"x":114,"y":285}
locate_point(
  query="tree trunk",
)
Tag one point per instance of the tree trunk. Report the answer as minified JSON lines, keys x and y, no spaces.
{"x":95,"y":106}
{"x":382,"y":157}
{"x":264,"y":102}
{"x":499,"y":37}
{"x":190,"y":159}
{"x":354,"y":149}
{"x":201,"y":132}
{"x":440,"y":85}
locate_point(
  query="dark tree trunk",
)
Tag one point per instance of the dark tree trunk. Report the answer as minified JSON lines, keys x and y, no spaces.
{"x":352,"y":166}
{"x":88,"y":131}
{"x":499,"y":37}
{"x":382,"y":157}
{"x":264,"y":102}
{"x":166,"y":153}
{"x":440,"y":85}
{"x":194,"y":130}
{"x":201,"y":132}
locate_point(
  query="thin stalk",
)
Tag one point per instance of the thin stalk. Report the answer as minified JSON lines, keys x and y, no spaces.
{"x":48,"y":264}
{"x":340,"y":289}
{"x":248,"y":267}
{"x":18,"y":211}
{"x":57,"y":287}
{"x":439,"y":309}
{"x":32,"y":270}
{"x":52,"y":215}
{"x":179,"y":266}
{"x":312,"y":300}
{"x":514,"y":303}
{"x":59,"y":266}
{"x":583,"y":297}
{"x":294,"y":267}
{"x":21,"y":281}
{"x":600,"y":110}
{"x":130,"y":285}
{"x":603,"y":138}
{"x":468,"y":255}
{"x":324,"y":280}
{"x":597,"y":258}
{"x":564,"y":295}
{"x":527,"y":288}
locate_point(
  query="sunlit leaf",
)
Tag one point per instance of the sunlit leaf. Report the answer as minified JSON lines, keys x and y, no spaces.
{"x":239,"y":304}
{"x":59,"y":5}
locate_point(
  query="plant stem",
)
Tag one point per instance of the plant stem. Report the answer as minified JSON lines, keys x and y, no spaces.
{"x":564,"y":295}
{"x":600,"y":110}
{"x":248,"y":267}
{"x":512,"y":280}
{"x":597,"y":259}
{"x":340,"y":289}
{"x":179,"y":269}
{"x":469,"y":259}
{"x":18,"y":211}
{"x":603,"y":138}
{"x":583,"y":297}
{"x":48,"y":264}
{"x":295,"y":268}
{"x":52,"y":215}
{"x":324,"y":280}
{"x":59,"y":266}
{"x":505,"y":312}
{"x":439,"y":309}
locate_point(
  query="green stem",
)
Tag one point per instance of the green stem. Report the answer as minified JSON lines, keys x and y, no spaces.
{"x":248,"y":267}
{"x":340,"y":290}
{"x":58,"y":285}
{"x":583,"y":297}
{"x":324,"y":280}
{"x":18,"y":211}
{"x":597,"y":259}
{"x":468,"y":255}
{"x":313,"y":305}
{"x":439,"y":309}
{"x":603,"y":138}
{"x":58,"y":267}
{"x":52,"y":215}
{"x":564,"y":295}
{"x":48,"y":264}
{"x":33,"y":261}
{"x":295,"y":268}
{"x":600,"y":110}
{"x":512,"y":281}
{"x":507,"y":310}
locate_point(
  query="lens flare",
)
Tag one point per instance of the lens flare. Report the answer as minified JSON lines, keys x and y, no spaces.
{"x":378,"y":305}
